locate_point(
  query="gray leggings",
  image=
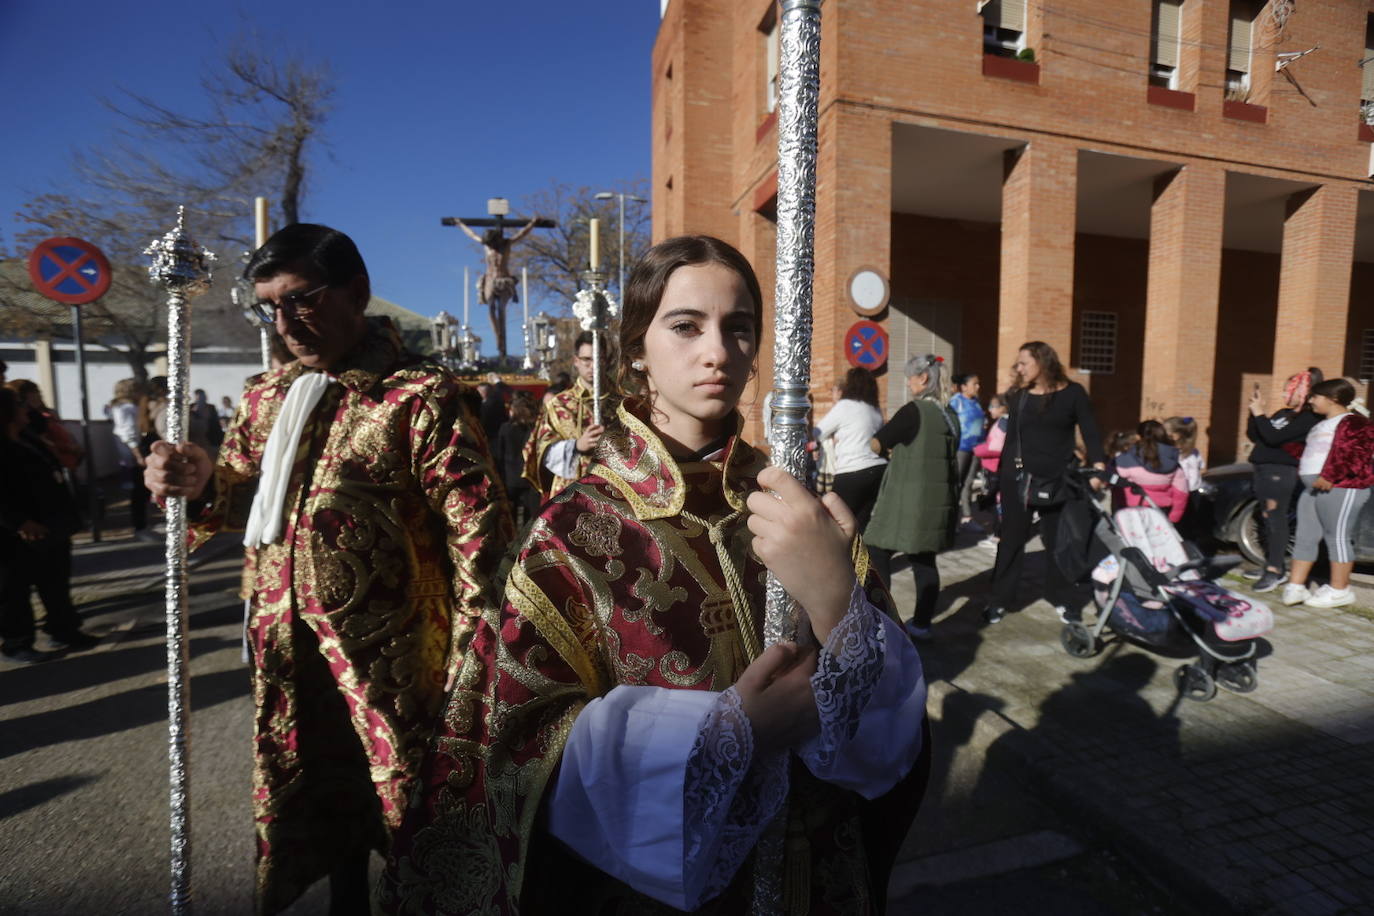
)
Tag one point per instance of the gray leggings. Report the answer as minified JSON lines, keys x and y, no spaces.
{"x":1331,"y":515}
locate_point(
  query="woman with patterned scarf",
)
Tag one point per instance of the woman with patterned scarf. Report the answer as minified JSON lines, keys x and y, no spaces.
{"x":617,"y":739}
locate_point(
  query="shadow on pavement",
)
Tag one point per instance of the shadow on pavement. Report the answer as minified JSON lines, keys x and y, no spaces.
{"x":116,"y":713}
{"x":89,"y":669}
{"x":39,"y":793}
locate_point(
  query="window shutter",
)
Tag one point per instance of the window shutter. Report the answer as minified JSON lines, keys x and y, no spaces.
{"x":1006,"y":14}
{"x":1238,"y":55}
{"x":1165,"y":50}
{"x":1367,"y":71}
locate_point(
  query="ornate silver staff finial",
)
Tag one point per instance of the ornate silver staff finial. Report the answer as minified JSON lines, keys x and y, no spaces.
{"x":799,"y":72}
{"x":594,"y":309}
{"x":182,"y":268}
{"x":179,"y":266}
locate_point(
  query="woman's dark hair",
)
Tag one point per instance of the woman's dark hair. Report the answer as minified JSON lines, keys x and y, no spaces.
{"x":1316,"y":375}
{"x":9,"y":408}
{"x":313,"y":250}
{"x":648,"y":279}
{"x":1337,"y":389}
{"x":860,"y":385}
{"x":522,"y":408}
{"x":1152,"y":436}
{"x":1051,"y":369}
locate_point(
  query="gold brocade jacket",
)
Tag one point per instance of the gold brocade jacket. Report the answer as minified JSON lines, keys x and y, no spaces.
{"x":394,"y":523}
{"x":562,"y":416}
{"x":623,"y":580}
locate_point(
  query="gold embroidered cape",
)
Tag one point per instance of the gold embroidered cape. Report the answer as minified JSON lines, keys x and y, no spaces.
{"x":616,"y":584}
{"x":562,"y":416}
{"x":394,"y":523}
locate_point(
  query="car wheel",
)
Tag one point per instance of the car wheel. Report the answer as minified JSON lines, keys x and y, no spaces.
{"x":1247,"y":532}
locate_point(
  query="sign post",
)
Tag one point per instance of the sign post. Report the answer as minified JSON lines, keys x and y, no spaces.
{"x":75,"y":272}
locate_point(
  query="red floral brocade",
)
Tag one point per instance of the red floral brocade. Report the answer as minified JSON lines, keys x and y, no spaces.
{"x":615,"y":585}
{"x":394,"y":525}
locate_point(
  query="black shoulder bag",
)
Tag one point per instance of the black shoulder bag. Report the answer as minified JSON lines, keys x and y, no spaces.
{"x":1036,"y":490}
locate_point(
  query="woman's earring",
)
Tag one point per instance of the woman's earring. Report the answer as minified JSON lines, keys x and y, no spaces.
{"x":637,"y":365}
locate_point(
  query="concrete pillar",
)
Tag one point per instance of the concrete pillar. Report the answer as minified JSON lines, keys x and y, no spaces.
{"x":1039,"y":214}
{"x":1182,"y":295}
{"x":1314,"y":282}
{"x":853,"y":228}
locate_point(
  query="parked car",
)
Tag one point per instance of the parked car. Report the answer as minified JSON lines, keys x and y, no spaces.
{"x":1236,"y":518}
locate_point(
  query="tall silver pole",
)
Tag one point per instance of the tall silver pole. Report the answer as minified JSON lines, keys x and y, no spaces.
{"x":260,"y":239}
{"x":799,"y":71}
{"x":182,"y":269}
{"x":92,"y":491}
{"x":620,"y":290}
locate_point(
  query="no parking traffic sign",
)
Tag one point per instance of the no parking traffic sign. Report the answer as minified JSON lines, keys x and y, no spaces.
{"x":865,"y":345}
{"x":69,"y":270}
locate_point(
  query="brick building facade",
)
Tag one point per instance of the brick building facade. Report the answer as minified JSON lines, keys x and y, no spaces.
{"x":1165,"y":190}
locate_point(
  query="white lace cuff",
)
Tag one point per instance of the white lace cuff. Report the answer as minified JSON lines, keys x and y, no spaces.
{"x":560,"y":459}
{"x":847,"y":671}
{"x":728,"y":798}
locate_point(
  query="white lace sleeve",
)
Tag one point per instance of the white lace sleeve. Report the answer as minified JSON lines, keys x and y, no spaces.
{"x":661,"y":789}
{"x":870,"y":695}
{"x":728,"y":797}
{"x":560,"y":459}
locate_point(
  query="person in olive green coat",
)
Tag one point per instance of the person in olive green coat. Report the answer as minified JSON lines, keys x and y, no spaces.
{"x":918,"y":504}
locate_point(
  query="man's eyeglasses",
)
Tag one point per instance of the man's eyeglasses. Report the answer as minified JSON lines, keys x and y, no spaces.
{"x":293,"y":304}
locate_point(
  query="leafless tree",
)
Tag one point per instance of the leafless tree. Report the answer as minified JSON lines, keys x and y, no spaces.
{"x":557,"y":257}
{"x":253,"y":136}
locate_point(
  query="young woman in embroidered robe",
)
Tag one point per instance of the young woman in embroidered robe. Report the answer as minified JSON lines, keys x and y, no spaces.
{"x":616,"y":741}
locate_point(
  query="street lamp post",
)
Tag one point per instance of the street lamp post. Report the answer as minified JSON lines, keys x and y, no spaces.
{"x":608,"y":195}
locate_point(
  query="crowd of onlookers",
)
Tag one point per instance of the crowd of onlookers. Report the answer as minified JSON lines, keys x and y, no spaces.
{"x":914,"y":479}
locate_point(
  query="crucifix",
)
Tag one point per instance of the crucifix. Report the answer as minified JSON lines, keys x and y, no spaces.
{"x":496,"y":288}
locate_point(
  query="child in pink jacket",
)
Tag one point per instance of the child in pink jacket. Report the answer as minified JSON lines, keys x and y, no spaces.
{"x":1153,"y":465}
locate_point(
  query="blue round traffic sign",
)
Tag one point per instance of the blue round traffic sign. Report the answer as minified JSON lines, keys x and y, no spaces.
{"x":865,"y":345}
{"x":72,"y":271}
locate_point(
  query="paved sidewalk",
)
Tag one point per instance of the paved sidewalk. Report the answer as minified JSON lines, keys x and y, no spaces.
{"x":1256,"y":803}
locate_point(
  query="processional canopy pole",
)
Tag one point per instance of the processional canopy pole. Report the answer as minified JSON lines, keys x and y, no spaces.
{"x":182,"y":269}
{"x":595,"y":309}
{"x":799,"y":71}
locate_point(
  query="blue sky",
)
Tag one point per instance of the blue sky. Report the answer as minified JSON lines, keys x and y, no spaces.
{"x":438,"y":106}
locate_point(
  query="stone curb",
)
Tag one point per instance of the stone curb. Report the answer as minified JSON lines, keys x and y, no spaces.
{"x":1212,"y":890}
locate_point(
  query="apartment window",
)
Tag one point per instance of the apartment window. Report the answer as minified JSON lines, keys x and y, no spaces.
{"x":1366,"y":355}
{"x":771,"y":52}
{"x":1097,"y":342}
{"x":1240,"y":42}
{"x":1367,"y":74}
{"x":1164,"y":37}
{"x":1004,"y":26}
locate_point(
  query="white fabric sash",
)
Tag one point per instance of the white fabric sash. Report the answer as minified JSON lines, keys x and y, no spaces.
{"x":265,"y":520}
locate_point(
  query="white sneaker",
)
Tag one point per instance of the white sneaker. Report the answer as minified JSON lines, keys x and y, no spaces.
{"x":990,"y":542}
{"x":1295,"y":594}
{"x":1326,"y":596}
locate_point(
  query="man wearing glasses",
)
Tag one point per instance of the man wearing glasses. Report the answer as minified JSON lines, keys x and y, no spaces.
{"x":558,"y":450}
{"x":364,"y":486}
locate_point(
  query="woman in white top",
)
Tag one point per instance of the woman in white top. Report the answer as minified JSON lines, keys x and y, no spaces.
{"x":851,"y":424}
{"x":123,"y":412}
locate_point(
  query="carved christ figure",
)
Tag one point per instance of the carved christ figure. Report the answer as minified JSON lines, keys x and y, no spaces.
{"x":496,"y":288}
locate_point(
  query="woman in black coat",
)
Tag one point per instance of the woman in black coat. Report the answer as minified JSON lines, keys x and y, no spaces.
{"x":37,"y":520}
{"x":1045,"y":410}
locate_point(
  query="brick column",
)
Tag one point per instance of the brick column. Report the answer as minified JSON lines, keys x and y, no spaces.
{"x":1039,"y":212}
{"x":1182,"y":295}
{"x":853,"y":228}
{"x":1314,"y":282}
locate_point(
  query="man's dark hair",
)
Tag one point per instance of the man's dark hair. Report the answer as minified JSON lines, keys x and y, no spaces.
{"x":583,"y":340}
{"x":309,"y":249}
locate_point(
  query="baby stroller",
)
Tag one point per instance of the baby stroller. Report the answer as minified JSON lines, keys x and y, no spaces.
{"x":1154,"y":590}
